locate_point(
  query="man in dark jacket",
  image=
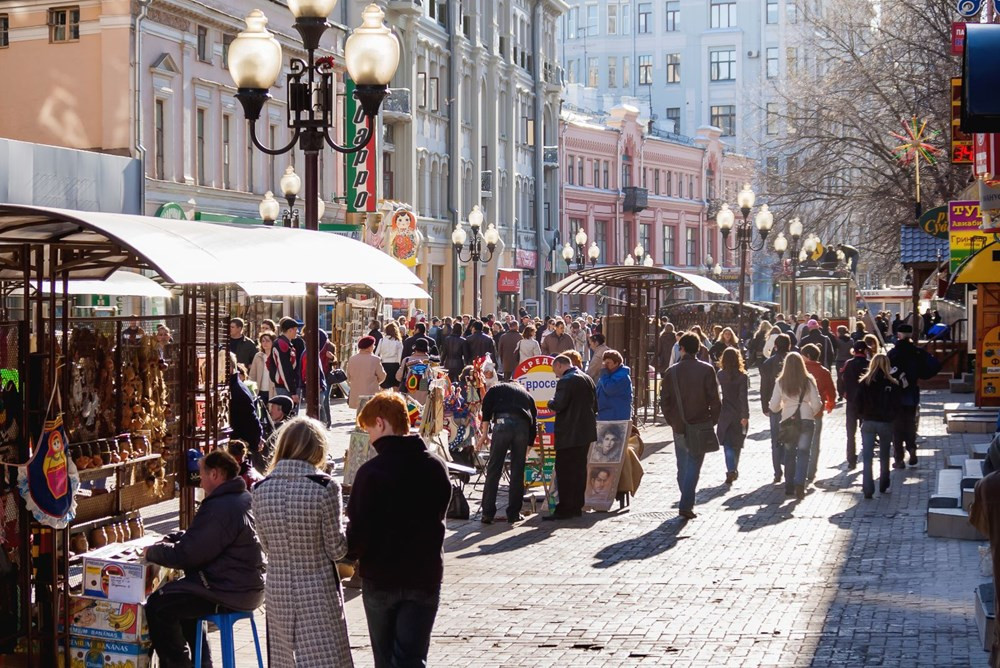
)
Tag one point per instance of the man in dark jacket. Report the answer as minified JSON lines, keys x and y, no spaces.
{"x":769,"y":372}
{"x":575,"y":406}
{"x":286,"y":374}
{"x":243,"y":417}
{"x":665,"y":346}
{"x":242,"y":346}
{"x":558,"y":341}
{"x":909,"y":364}
{"x":478,"y":344}
{"x":419,"y":332}
{"x":848,"y":377}
{"x":507,"y":349}
{"x":396,"y":531}
{"x":690,"y":394}
{"x":222,"y":560}
{"x":814,"y":335}
{"x":513,"y":413}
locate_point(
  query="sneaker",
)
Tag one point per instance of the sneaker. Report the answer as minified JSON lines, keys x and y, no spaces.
{"x":730,"y":477}
{"x":518,"y":518}
{"x":486,"y":520}
{"x":913,"y":459}
{"x":777,"y":478}
{"x":687,"y":514}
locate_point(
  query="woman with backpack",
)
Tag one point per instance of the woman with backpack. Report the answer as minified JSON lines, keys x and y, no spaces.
{"x":878,"y":402}
{"x":390,"y":351}
{"x":735,"y":414}
{"x":797,"y":399}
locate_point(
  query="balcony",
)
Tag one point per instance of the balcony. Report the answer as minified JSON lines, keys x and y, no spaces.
{"x":486,"y":184}
{"x":636,"y":199}
{"x":552,"y":74}
{"x":407,"y":6}
{"x":396,"y":106}
{"x":550,"y":157}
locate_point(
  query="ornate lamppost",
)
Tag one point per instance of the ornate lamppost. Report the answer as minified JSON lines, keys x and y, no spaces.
{"x":371,"y":54}
{"x":290,"y":185}
{"x":744,"y":241}
{"x":581,"y":254}
{"x":474,"y":252}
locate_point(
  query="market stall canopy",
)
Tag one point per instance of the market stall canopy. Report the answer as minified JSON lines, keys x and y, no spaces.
{"x":592,"y":281}
{"x":399,"y":291}
{"x":983,"y":267}
{"x":95,"y":244}
{"x":277,"y":289}
{"x":119,"y":284}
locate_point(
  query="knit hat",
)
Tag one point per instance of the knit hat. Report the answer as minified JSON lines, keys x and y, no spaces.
{"x":812,"y":324}
{"x":859,"y":347}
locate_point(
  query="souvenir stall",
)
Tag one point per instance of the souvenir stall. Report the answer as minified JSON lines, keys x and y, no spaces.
{"x":634,"y":297}
{"x":101,"y":416}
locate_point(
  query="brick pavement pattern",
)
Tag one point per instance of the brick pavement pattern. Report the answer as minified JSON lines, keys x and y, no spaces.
{"x":758,"y":579}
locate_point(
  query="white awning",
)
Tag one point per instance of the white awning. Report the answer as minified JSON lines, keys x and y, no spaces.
{"x":277,"y":289}
{"x":122,"y":283}
{"x":594,"y":280}
{"x":399,"y":291}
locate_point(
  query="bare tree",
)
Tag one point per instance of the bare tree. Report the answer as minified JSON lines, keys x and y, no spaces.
{"x":858,"y":69}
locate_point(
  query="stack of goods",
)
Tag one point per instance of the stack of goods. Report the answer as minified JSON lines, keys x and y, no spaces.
{"x":91,"y":411}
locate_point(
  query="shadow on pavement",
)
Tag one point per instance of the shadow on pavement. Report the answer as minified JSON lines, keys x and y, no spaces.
{"x":657,"y":541}
{"x":763,"y":495}
{"x":537,"y":531}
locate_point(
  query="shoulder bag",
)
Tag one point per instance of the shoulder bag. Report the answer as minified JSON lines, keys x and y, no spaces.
{"x":700,"y":437}
{"x":790,"y":428}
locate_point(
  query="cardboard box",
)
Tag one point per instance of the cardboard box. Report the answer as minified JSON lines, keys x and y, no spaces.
{"x":115,"y":573}
{"x":94,"y":653}
{"x":107,"y":620}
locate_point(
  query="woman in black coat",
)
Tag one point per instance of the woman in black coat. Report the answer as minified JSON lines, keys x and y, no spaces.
{"x":878,"y":401}
{"x":735,"y":414}
{"x":453,"y":352}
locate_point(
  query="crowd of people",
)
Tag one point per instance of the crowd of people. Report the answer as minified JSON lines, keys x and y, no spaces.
{"x":271,"y":506}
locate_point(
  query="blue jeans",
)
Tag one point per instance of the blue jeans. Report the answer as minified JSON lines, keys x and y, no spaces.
{"x":732,"y":445}
{"x":510,"y":434}
{"x":870,"y":430}
{"x":797,"y":457}
{"x":851,"y":413}
{"x":399,"y":623}
{"x":814,"y":448}
{"x":777,"y":451}
{"x":324,"y":406}
{"x":688,"y":470}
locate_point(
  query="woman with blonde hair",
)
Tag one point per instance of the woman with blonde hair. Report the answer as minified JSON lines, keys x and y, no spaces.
{"x":797,"y":399}
{"x":301,"y":528}
{"x":878,"y":398}
{"x":755,"y":351}
{"x":874,"y":347}
{"x":726,"y":339}
{"x":734,"y":417}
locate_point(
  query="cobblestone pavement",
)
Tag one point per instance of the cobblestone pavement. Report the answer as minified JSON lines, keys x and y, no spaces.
{"x":757,"y":579}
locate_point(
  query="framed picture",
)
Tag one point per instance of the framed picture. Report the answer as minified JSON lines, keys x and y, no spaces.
{"x":602,"y":485}
{"x":609,"y":448}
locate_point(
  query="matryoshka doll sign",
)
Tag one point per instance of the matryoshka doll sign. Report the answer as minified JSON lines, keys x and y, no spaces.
{"x":49,"y":481}
{"x":404,"y":239}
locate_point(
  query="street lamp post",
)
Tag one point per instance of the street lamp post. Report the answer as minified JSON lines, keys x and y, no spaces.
{"x":581,"y":254}
{"x":371,"y":54}
{"x":290,"y":186}
{"x":474,"y":253}
{"x":781,"y":244}
{"x":744,"y":241}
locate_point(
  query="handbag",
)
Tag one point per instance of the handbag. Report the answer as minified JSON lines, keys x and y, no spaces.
{"x":790,"y":428}
{"x":700,"y":437}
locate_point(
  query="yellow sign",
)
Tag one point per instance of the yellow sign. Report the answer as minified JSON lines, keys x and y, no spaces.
{"x":818,"y":253}
{"x":989,"y":364}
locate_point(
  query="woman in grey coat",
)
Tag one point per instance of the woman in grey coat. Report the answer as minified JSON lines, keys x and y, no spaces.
{"x":735,"y":414}
{"x":301,"y":527}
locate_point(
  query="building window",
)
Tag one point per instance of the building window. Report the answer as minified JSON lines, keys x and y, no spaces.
{"x":673,"y":16}
{"x":227,"y":162}
{"x":668,"y":245}
{"x":626,"y":19}
{"x":772,"y":172}
{"x":791,"y":60}
{"x":724,"y":118}
{"x":791,"y":11}
{"x":612,"y":72}
{"x":656,"y":182}
{"x":772,"y":12}
{"x":158,"y":140}
{"x":644,"y":237}
{"x":772,"y":118}
{"x":670,"y":184}
{"x":592,"y":28}
{"x":4,"y":31}
{"x":226,"y":41}
{"x":627,"y":238}
{"x":674,"y":116}
{"x":722,"y":65}
{"x":579,"y":171}
{"x":199,"y":133}
{"x":691,"y":246}
{"x":626,"y":71}
{"x":645,"y":70}
{"x":772,"y":62}
{"x":607,"y":175}
{"x":64,"y":24}
{"x":570,"y":171}
{"x":645,"y":19}
{"x":432,"y":94}
{"x":601,"y":239}
{"x":723,"y":14}
{"x":387,"y":190}
{"x":596,"y":164}
{"x":592,"y":72}
{"x":612,"y":19}
{"x":673,"y":68}
{"x":571,"y":23}
{"x":626,"y":172}
{"x":422,"y":90}
{"x":203,"y":55}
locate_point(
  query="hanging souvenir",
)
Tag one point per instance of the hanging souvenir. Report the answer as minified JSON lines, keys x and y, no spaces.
{"x":49,"y":481}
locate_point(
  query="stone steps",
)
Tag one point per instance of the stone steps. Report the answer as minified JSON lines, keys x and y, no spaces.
{"x":971,"y":474}
{"x":985,"y":615}
{"x":947,"y":516}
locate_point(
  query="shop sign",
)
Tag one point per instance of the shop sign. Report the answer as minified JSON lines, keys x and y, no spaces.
{"x":361,"y":173}
{"x":989,"y":205}
{"x":509,"y":282}
{"x":935,"y":222}
{"x":964,"y":233}
{"x":171,"y":211}
{"x":968,"y":8}
{"x":961,"y":142}
{"x":403,"y":238}
{"x":525,"y":259}
{"x":957,"y":38}
{"x":986,"y":148}
{"x":989,"y":365}
{"x":538,"y":378}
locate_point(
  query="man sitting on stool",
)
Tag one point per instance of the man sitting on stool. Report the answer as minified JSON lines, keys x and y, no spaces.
{"x":221,"y":558}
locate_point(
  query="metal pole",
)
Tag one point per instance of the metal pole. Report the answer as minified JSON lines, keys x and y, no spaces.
{"x":312,"y":291}
{"x":476,"y":306}
{"x":743,"y":238}
{"x":795,"y":273}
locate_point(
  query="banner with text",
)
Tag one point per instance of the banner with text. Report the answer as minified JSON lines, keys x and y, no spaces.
{"x":964,"y":233}
{"x":361,"y":166}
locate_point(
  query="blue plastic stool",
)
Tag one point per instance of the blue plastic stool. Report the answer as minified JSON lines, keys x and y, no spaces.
{"x":225,"y":621}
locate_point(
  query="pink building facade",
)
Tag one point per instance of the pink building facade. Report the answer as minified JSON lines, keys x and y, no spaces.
{"x":628,"y":188}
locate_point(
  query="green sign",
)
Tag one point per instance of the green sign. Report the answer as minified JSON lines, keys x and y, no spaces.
{"x":935,"y":222}
{"x":361,"y":174}
{"x":171,"y":210}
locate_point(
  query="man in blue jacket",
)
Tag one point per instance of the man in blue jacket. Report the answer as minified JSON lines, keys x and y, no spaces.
{"x":614,"y":388}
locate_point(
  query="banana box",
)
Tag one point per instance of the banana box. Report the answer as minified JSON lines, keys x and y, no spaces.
{"x":96,"y":653}
{"x":107,"y":620}
{"x":116,"y":573}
